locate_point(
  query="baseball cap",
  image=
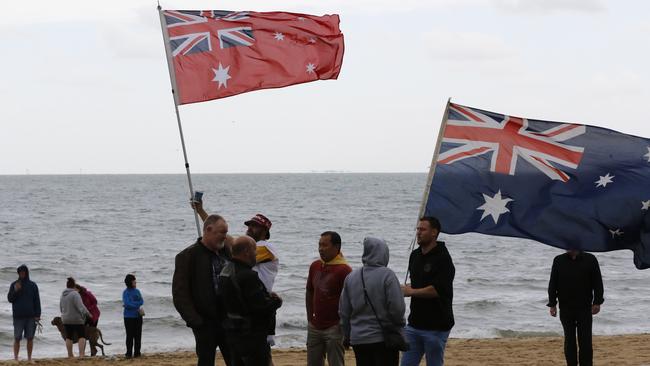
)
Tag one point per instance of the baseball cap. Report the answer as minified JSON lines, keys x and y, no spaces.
{"x":260,"y":220}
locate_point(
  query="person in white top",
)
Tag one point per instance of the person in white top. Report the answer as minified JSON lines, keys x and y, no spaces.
{"x":267,"y":263}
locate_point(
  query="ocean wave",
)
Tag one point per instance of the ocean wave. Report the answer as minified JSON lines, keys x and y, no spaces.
{"x":508,"y":333}
{"x":6,"y":338}
{"x":293,"y":323}
{"x":165,"y":322}
{"x":482,"y":304}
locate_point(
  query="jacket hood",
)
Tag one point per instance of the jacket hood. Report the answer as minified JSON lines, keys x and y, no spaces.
{"x":23,"y":268}
{"x":67,"y":291}
{"x":375,"y":252}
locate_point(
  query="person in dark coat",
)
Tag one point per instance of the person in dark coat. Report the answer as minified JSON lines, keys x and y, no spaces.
{"x":578,"y":285}
{"x":26,"y":309}
{"x":249,"y":307}
{"x":195,"y":289}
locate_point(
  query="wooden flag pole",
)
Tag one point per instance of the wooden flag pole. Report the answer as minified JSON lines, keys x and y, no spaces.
{"x":172,"y":78}
{"x":432,"y":170}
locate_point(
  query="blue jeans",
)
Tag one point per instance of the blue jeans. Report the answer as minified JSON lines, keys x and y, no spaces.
{"x":429,"y":342}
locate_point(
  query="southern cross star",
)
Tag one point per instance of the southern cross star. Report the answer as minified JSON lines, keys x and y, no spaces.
{"x":494,"y":206}
{"x":278,"y":36}
{"x":616,"y":233}
{"x":645,"y":205}
{"x":604,"y":181}
{"x":310,"y":68}
{"x":647,"y":156}
{"x":221,"y":76}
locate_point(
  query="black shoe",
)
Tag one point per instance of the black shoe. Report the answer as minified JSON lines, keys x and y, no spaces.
{"x":137,"y":355}
{"x":128,"y":355}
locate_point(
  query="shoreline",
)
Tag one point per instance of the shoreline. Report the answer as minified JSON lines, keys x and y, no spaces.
{"x":628,"y":349}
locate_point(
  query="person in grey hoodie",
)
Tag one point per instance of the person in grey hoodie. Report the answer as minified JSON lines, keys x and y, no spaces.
{"x":73,"y":316}
{"x":361,"y":328}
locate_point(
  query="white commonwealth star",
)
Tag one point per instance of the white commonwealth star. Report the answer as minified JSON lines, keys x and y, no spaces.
{"x":278,"y":36}
{"x":616,"y":233}
{"x":647,"y":156}
{"x":494,"y":206}
{"x":645,"y":205}
{"x":604,"y":181}
{"x":312,"y":40}
{"x":221,"y":76}
{"x":310,"y":68}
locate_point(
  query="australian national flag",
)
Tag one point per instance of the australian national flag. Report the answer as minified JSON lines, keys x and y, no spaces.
{"x":567,"y":185}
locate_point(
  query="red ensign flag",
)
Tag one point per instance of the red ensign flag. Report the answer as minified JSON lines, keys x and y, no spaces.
{"x":217,"y":54}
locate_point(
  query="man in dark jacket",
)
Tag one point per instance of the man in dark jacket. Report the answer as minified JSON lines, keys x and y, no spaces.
{"x":432,"y":292}
{"x":26,"y":308}
{"x":249,"y":307}
{"x":195,"y":289}
{"x":577,"y":283}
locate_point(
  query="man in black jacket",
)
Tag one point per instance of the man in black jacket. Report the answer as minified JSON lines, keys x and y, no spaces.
{"x":195,"y":289}
{"x":432,"y":292}
{"x":577,"y":283}
{"x":249,"y":307}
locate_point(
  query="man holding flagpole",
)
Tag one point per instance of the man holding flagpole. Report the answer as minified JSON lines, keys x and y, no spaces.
{"x":431,"y":291}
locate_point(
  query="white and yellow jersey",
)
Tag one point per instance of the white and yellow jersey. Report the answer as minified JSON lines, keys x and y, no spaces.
{"x":266,"y":263}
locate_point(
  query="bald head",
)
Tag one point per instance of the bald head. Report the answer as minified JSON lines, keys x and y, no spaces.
{"x":244,"y":249}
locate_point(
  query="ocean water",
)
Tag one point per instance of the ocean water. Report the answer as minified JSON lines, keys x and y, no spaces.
{"x":97,"y":228}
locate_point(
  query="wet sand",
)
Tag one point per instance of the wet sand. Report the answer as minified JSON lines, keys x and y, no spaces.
{"x":617,"y":350}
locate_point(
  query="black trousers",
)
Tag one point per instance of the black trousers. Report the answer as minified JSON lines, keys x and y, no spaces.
{"x":133,"y":335}
{"x":375,"y":354}
{"x":577,"y":321}
{"x":208,"y":338}
{"x":249,"y":349}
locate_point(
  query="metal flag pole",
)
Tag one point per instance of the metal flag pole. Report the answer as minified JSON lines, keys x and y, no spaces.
{"x":172,"y":78}
{"x":432,"y":170}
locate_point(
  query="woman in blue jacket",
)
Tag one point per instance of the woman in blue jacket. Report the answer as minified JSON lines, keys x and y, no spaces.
{"x":133,"y":302}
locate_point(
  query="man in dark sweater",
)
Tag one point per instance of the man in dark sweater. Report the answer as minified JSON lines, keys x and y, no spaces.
{"x":431,"y":291}
{"x":195,"y":289}
{"x":249,"y":307}
{"x":577,"y":283}
{"x":26,"y":308}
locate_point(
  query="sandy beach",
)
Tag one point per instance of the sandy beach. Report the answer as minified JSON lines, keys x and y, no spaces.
{"x":543,"y":351}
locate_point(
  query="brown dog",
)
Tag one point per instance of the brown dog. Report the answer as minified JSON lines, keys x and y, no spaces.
{"x":93,"y":334}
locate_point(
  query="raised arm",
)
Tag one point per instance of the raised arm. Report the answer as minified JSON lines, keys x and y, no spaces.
{"x":198,"y":206}
{"x":12,"y":295}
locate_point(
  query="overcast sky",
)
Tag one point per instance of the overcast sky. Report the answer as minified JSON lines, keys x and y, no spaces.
{"x":85,"y":86}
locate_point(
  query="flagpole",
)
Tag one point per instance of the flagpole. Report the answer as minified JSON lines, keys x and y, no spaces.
{"x":432,"y":170}
{"x":172,"y":78}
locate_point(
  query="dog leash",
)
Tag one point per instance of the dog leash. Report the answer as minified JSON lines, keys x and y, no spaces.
{"x":39,"y":327}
